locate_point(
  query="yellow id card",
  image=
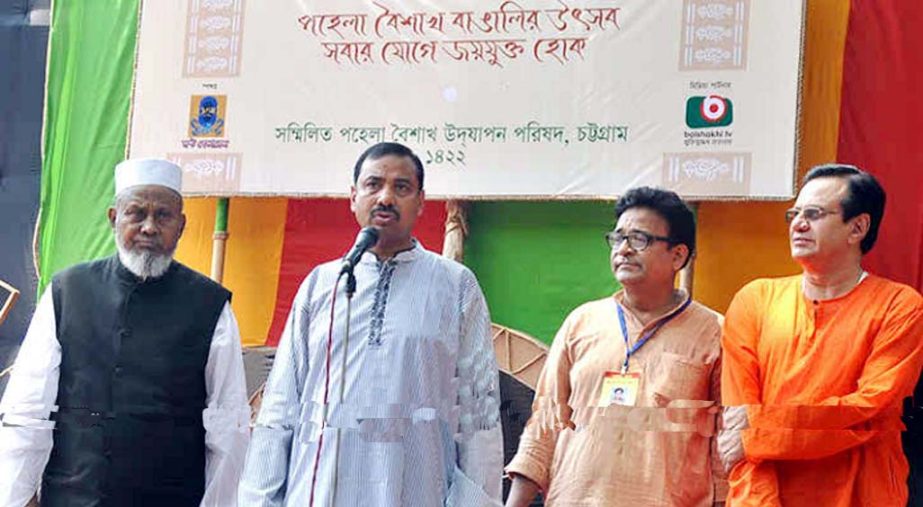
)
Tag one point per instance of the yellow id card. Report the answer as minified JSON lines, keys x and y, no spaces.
{"x":619,"y":389}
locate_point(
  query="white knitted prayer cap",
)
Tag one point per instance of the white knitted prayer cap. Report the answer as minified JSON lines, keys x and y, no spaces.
{"x":148,"y":171}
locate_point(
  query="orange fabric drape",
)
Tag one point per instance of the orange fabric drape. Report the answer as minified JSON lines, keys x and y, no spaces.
{"x":737,"y":241}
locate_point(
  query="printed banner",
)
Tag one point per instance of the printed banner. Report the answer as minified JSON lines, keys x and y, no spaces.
{"x":501,"y":99}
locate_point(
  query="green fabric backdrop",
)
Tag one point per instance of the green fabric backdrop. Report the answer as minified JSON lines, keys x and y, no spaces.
{"x":90,"y":67}
{"x":537,"y":261}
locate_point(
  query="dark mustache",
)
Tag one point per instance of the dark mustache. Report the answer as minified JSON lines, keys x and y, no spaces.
{"x":386,"y":209}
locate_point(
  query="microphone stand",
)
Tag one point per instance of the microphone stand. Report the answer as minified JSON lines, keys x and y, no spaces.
{"x":367,"y":237}
{"x":350,"y":291}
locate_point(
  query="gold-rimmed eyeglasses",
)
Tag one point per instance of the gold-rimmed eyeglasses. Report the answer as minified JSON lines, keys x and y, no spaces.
{"x":810,"y":213}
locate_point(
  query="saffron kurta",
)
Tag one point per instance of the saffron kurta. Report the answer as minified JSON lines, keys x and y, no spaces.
{"x":658,"y":453}
{"x":823,"y":382}
{"x":413,"y":418}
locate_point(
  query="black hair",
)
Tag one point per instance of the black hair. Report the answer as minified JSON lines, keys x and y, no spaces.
{"x":380,"y":150}
{"x":679,"y":218}
{"x":865,"y":196}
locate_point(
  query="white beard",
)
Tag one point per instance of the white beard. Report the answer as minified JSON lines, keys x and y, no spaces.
{"x":144,"y":263}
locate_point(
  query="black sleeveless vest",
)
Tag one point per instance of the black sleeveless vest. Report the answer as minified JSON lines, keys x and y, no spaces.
{"x":128,"y":430}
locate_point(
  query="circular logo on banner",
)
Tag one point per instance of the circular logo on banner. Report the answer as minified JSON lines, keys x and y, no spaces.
{"x":714,"y":108}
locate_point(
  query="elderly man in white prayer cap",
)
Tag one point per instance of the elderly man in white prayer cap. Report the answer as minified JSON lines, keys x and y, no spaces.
{"x":129,"y":386}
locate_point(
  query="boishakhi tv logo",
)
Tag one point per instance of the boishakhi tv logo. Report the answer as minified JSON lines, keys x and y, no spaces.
{"x":709,"y":111}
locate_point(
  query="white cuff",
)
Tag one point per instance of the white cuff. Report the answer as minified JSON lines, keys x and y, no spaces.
{"x":465,"y":493}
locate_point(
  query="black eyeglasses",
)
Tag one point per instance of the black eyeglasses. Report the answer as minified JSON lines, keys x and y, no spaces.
{"x":810,"y":213}
{"x":637,"y":240}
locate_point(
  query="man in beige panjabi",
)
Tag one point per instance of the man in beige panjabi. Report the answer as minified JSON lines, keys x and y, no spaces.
{"x":625,"y":405}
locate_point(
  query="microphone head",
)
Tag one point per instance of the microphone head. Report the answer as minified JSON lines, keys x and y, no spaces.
{"x":371,"y":233}
{"x":366,"y":239}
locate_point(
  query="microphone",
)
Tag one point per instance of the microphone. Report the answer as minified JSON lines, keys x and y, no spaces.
{"x":366,"y":239}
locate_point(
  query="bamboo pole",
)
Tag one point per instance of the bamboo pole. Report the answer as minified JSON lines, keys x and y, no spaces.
{"x":456,"y":230}
{"x":220,"y":239}
{"x":687,"y":274}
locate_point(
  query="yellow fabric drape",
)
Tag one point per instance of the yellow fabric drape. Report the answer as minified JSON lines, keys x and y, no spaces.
{"x":254,"y":253}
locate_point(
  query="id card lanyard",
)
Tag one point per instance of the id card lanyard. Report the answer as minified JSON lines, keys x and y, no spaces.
{"x":629,"y":351}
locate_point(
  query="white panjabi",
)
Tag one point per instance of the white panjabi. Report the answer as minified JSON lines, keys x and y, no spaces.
{"x":412,"y":419}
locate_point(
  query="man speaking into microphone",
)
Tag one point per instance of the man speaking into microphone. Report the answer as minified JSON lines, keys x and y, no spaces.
{"x":389,"y":397}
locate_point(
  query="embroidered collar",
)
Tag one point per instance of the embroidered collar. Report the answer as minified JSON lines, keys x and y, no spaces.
{"x":409,"y":255}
